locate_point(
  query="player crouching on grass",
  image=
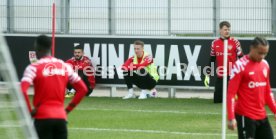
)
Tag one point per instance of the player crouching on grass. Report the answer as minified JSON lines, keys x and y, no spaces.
{"x":83,"y":66}
{"x":140,"y":71}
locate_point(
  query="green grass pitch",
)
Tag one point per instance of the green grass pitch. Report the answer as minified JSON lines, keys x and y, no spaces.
{"x":114,"y":118}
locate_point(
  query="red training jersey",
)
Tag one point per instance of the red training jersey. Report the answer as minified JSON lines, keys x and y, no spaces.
{"x":217,"y":50}
{"x":49,"y":77}
{"x":250,"y":81}
{"x":128,"y":65}
{"x":84,"y":65}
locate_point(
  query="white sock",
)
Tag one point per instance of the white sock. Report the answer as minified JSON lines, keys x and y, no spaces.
{"x":72,"y":91}
{"x":130,"y":91}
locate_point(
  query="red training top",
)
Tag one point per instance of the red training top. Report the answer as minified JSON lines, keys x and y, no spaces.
{"x":50,"y":76}
{"x":217,"y":50}
{"x":84,"y":65}
{"x":250,"y":81}
{"x":128,"y":65}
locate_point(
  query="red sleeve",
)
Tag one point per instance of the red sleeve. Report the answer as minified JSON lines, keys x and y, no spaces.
{"x":24,"y":88}
{"x":126,"y":65}
{"x":269,"y":98}
{"x":27,"y":79}
{"x":212,"y":52}
{"x":147,"y":61}
{"x":238,"y":48}
{"x":233,"y":87}
{"x":81,"y":90}
{"x":70,"y":62}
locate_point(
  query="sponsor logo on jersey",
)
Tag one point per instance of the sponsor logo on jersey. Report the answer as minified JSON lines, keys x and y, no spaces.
{"x":221,"y":54}
{"x":256,"y":84}
{"x":51,"y":70}
{"x":251,"y":73}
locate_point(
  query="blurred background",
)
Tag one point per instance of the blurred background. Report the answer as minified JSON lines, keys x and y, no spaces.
{"x":140,"y":17}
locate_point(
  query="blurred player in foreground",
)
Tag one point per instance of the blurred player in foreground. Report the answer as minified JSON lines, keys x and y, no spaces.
{"x":83,"y":66}
{"x":141,"y":71}
{"x":216,"y":55}
{"x":49,"y":77}
{"x":250,"y":82}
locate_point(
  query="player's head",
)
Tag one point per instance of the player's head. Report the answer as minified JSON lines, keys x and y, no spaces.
{"x":224,"y":29}
{"x":42,"y":45}
{"x":78,"y":52}
{"x":139,"y":48}
{"x":258,"y":49}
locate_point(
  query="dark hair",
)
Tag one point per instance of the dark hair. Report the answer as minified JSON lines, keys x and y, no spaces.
{"x":78,"y":47}
{"x":43,"y":43}
{"x":224,"y":23}
{"x":138,"y":42}
{"x":259,"y":41}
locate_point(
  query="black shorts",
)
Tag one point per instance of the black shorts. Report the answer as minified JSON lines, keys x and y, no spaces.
{"x":253,"y":129}
{"x":51,"y":128}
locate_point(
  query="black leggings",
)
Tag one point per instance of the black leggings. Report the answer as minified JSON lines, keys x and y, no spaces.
{"x":253,"y":129}
{"x":219,"y":90}
{"x":140,"y":78}
{"x":51,"y":128}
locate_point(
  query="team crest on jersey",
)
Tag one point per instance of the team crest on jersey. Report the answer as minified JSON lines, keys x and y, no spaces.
{"x":230,"y":47}
{"x":265,"y":72}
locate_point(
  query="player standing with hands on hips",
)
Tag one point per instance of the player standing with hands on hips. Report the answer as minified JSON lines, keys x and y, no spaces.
{"x":49,"y":77}
{"x":250,"y":82}
{"x":216,"y":55}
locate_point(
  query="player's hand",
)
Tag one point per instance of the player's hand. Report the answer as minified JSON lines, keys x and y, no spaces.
{"x":232,"y":124}
{"x":67,"y":111}
{"x":33,"y":112}
{"x":206,"y":81}
{"x":124,"y":68}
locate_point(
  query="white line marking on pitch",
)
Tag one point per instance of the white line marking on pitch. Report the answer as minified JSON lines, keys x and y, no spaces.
{"x":149,"y":131}
{"x":151,"y":111}
{"x":148,"y":111}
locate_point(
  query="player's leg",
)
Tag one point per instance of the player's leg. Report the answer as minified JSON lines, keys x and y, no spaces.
{"x":60,"y":129}
{"x":86,"y":82}
{"x":43,"y":128}
{"x":128,"y":78}
{"x":218,"y":90}
{"x":89,"y":92}
{"x":264,"y":130}
{"x":146,"y":82}
{"x":246,"y":127}
{"x":70,"y":91}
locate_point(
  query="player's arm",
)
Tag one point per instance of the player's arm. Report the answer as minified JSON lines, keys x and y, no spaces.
{"x":78,"y":85}
{"x":147,"y":61}
{"x":212,"y":59}
{"x":239,"y":49}
{"x":269,"y":97}
{"x":233,"y":87}
{"x":27,"y":79}
{"x":127,"y":65}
